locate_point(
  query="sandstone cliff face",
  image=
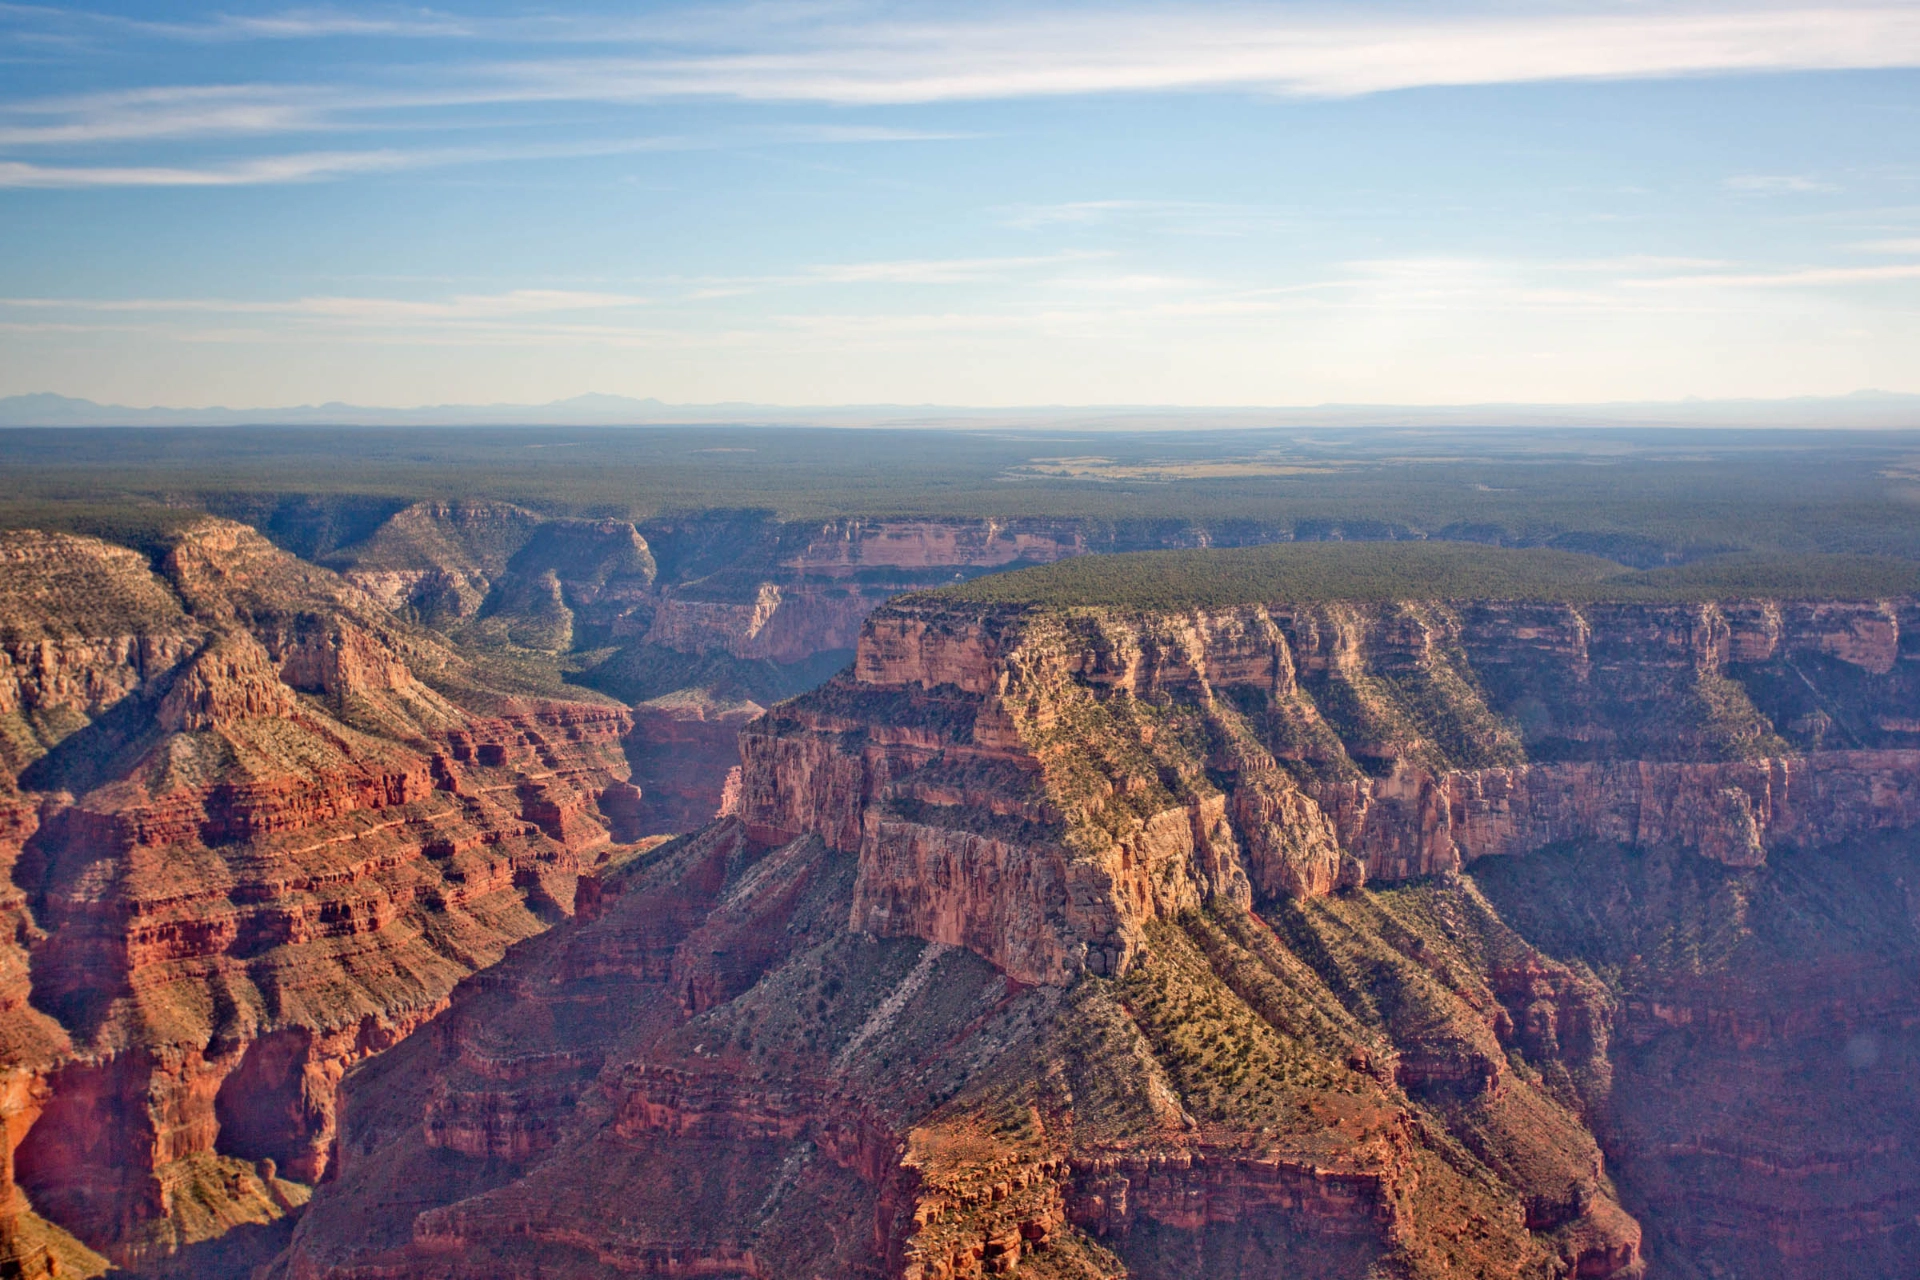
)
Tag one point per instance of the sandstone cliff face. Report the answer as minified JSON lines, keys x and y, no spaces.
{"x":1050,"y":789}
{"x":738,"y":608}
{"x":716,"y":607}
{"x":1098,"y":942}
{"x":495,"y":568}
{"x":260,"y":831}
{"x":686,"y":747}
{"x":1122,"y":768}
{"x":780,"y":624}
{"x":843,"y":548}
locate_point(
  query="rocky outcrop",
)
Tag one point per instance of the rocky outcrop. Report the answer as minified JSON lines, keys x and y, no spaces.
{"x":1054,"y":941}
{"x":746,"y":1086}
{"x":1051,"y":788}
{"x":260,"y":832}
{"x":780,"y":624}
{"x":1041,"y":785}
{"x":845,"y":548}
{"x":710,"y":607}
{"x":1420,"y":823}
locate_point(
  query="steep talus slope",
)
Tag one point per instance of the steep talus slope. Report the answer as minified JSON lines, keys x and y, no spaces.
{"x":1762,"y":1111}
{"x":716,"y":1076}
{"x":260,"y":830}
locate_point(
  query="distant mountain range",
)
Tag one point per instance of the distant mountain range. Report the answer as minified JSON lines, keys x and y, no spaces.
{"x":1862,"y":409}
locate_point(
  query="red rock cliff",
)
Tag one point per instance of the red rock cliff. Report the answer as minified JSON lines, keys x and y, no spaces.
{"x":1095,"y":943}
{"x":261,"y":832}
{"x":1041,"y":785}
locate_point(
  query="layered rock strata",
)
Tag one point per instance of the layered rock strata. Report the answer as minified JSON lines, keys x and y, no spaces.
{"x":1120,"y":768}
{"x":754,"y":590}
{"x":1104,"y":942}
{"x":743,"y":609}
{"x":710,"y":1074}
{"x":260,"y":831}
{"x":1206,"y":1034}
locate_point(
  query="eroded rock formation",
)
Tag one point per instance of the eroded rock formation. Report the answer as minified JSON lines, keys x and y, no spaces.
{"x":1123,"y":768}
{"x":747,"y":1087}
{"x":1098,"y":942}
{"x":259,"y":831}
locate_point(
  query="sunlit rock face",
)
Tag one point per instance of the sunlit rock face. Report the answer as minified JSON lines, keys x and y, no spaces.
{"x":259,"y":831}
{"x":1096,"y":943}
{"x":1124,"y":767}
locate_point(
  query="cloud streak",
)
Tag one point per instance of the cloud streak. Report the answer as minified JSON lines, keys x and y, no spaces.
{"x":516,"y":302}
{"x":264,"y":170}
{"x":838,"y":55}
{"x":1036,"y":53}
{"x":317,"y":165}
{"x":1162,"y":50}
{"x":1804,"y":277}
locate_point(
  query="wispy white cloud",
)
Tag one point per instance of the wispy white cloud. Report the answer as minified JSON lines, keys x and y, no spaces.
{"x":1160,"y":49}
{"x":1801,"y":277}
{"x":849,"y":52}
{"x":841,"y":55}
{"x":315,"y":165}
{"x":183,"y":113}
{"x":516,"y":302}
{"x":288,"y":24}
{"x":255,"y":172}
{"x":186,"y":111}
{"x":1898,"y":245}
{"x":1778,"y":183}
{"x":306,"y":24}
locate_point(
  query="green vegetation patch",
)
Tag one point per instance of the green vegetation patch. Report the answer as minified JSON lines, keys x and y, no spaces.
{"x":1373,"y":572}
{"x":56,"y":586}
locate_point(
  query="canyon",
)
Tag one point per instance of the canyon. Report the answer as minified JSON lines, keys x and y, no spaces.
{"x":256,"y":829}
{"x":701,"y":621}
{"x":1319,"y":935}
{"x":1481,"y":934}
{"x":260,"y":816}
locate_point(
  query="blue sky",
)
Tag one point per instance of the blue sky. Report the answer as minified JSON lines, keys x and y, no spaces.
{"x":817,"y":203}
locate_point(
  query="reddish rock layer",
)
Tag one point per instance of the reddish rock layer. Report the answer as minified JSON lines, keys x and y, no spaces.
{"x":1026,"y":955}
{"x":708,"y":1074}
{"x":264,"y":832}
{"x":685,"y":748}
{"x":1040,"y":786}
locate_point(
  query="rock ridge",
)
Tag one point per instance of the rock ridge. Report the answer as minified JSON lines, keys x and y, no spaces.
{"x":260,"y":831}
{"x":1278,"y":749}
